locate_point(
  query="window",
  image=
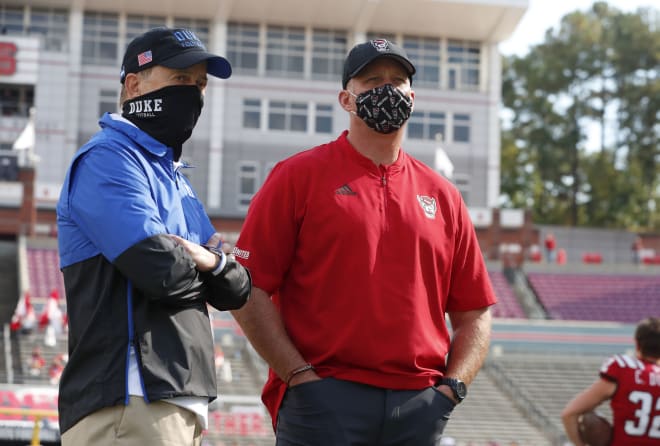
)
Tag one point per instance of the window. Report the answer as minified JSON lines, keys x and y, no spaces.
{"x":290,"y":116}
{"x":323,"y":118}
{"x":198,"y":26}
{"x":49,"y":23}
{"x":298,"y":117}
{"x":463,"y":59}
{"x":243,"y":47}
{"x":277,"y":115}
{"x":52,"y":25}
{"x":11,"y":20}
{"x":100,"y":34}
{"x":108,"y":101}
{"x":426,"y":125}
{"x":285,"y":52}
{"x":328,"y":53}
{"x":16,"y":100}
{"x":425,"y":55}
{"x":251,"y":113}
{"x":9,"y":101}
{"x":138,"y":24}
{"x":461,"y":128}
{"x":248,"y":173}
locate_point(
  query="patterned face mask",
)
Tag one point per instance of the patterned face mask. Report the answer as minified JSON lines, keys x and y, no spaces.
{"x":384,"y":109}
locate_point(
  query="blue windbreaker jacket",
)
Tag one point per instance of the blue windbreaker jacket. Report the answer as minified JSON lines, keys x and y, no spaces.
{"x":127,"y":284}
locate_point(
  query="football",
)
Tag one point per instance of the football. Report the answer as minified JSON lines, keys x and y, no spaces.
{"x":594,"y":429}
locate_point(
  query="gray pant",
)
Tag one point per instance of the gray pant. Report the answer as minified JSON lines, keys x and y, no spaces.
{"x":333,"y":412}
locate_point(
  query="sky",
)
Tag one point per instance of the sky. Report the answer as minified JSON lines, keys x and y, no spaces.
{"x":544,"y":14}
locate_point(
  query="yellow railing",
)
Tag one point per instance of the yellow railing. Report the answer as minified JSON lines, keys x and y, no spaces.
{"x":38,"y":414}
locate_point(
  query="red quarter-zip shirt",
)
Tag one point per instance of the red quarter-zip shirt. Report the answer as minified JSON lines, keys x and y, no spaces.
{"x":363,"y":261}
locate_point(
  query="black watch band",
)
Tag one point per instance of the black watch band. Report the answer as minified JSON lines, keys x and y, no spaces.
{"x":457,"y":386}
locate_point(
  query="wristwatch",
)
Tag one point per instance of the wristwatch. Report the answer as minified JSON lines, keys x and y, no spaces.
{"x":222,"y":259}
{"x":457,"y":386}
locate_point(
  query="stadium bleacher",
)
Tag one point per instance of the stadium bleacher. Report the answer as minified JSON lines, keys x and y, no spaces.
{"x":547,"y":375}
{"x":508,"y":305}
{"x":540,"y":375}
{"x":597,"y":297}
{"x":490,"y":416}
{"x":44,"y":271}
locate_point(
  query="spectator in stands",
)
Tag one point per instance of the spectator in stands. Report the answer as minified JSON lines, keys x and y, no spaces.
{"x":56,"y":369}
{"x":37,"y":362}
{"x":550,"y":247}
{"x":363,"y":250}
{"x":139,"y":329}
{"x":24,"y":318}
{"x":632,"y":387}
{"x":51,"y":319}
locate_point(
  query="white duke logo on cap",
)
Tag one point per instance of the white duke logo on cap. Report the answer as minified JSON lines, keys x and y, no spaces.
{"x":187,"y":38}
{"x":381,"y":44}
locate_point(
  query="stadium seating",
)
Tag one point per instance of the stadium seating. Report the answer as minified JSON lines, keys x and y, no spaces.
{"x":507,"y":305}
{"x":44,"y":272}
{"x":597,"y":297}
{"x":481,"y":420}
{"x":548,"y":380}
{"x":551,"y":380}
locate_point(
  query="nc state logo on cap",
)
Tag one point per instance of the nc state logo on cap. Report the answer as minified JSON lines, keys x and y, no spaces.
{"x":381,"y":44}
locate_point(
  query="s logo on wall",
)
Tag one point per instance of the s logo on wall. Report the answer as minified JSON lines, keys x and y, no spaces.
{"x":7,"y":59}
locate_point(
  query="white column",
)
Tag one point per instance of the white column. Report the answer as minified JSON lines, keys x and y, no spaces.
{"x":493,"y":141}
{"x":216,"y":98}
{"x":75,"y":75}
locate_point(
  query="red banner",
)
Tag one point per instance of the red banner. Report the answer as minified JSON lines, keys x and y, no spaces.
{"x":7,"y":58}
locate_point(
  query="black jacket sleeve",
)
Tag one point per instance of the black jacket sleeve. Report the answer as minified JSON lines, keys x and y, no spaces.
{"x":164,"y":271}
{"x":161,"y":270}
{"x":230,"y":289}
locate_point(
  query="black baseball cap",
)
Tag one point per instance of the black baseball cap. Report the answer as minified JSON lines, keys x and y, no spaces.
{"x":364,"y":53}
{"x":171,"y":48}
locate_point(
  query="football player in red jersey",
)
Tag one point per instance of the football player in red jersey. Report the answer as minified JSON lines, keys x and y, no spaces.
{"x":633,"y":387}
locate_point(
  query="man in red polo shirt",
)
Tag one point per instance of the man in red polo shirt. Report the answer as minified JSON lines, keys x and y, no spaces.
{"x":357,"y":252}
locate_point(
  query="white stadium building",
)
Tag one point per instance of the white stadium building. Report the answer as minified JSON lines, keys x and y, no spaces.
{"x":63,"y":57}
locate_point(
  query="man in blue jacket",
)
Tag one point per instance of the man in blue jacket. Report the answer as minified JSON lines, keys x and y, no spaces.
{"x":139,"y":258}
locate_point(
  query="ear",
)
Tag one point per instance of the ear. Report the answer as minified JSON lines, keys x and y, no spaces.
{"x":412,"y":98}
{"x":132,"y":85}
{"x":345,"y":100}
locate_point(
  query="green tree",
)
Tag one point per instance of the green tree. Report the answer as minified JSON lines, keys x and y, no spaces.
{"x":598,"y":67}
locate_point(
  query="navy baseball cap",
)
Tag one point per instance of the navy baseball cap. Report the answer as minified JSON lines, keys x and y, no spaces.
{"x":364,"y":53}
{"x":171,"y":48}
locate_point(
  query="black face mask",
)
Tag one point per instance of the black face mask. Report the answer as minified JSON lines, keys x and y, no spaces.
{"x":168,"y":115}
{"x":384,"y":109}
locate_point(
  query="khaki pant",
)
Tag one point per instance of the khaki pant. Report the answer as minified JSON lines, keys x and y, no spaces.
{"x":138,"y":424}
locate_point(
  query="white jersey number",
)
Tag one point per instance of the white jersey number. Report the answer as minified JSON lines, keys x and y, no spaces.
{"x":639,"y":426}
